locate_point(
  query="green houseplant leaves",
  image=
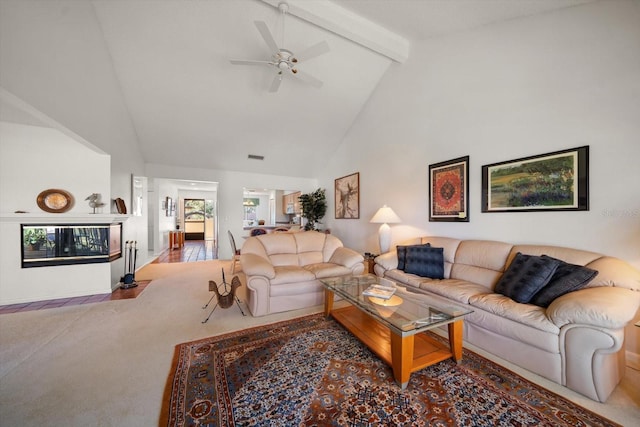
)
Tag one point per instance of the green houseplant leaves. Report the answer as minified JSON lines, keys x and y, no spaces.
{"x":314,"y":207}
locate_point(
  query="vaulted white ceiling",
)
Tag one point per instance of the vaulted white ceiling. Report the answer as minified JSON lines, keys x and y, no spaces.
{"x":191,"y":107}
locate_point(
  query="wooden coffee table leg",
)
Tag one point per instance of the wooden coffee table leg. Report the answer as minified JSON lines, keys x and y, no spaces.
{"x":328,"y":302}
{"x":402,"y":358}
{"x":455,"y":339}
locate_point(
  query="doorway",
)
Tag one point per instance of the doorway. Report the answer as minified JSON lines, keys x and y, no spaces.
{"x":194,"y":219}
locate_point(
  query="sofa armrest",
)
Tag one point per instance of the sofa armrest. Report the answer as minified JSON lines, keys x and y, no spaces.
{"x":255,"y":265}
{"x":605,"y":307}
{"x":388,"y":260}
{"x":346,"y":257}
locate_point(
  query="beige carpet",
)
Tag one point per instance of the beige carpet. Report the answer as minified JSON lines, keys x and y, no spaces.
{"x":106,"y":364}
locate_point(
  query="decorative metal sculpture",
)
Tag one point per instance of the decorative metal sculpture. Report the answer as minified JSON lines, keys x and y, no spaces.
{"x":225,"y":298}
{"x":95,"y":201}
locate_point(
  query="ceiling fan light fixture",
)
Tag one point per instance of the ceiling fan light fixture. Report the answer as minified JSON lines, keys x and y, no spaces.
{"x":283,"y":6}
{"x":283,"y":59}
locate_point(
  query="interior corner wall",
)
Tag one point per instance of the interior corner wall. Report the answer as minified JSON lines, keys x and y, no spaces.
{"x":33,"y":159}
{"x":53,"y":57}
{"x":520,"y":88}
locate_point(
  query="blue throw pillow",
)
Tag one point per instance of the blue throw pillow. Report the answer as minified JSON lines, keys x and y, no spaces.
{"x":402,"y":255}
{"x":567,"y":278}
{"x":425,"y":261}
{"x":525,"y":276}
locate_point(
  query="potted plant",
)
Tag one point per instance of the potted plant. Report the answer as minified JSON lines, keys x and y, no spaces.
{"x":314,"y":206}
{"x":34,"y":237}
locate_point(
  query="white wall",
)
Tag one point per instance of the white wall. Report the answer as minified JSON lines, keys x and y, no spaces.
{"x":33,"y":159}
{"x":506,"y":91}
{"x":163,"y":223}
{"x":230,"y":193}
{"x":521,"y":88}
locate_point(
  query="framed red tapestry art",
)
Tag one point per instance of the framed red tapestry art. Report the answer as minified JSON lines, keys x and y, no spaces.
{"x":449,"y":190}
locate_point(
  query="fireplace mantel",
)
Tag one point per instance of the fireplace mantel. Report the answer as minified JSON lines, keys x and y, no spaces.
{"x":66,"y":218}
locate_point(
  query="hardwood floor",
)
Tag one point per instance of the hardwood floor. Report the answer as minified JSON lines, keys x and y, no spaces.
{"x":192,"y":251}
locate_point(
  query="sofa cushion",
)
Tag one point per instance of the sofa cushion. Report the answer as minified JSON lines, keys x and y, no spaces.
{"x":523,"y":323}
{"x":455,"y":289}
{"x":450,"y":249}
{"x":280,"y":243}
{"x":399,"y":276}
{"x":284,"y":259}
{"x":481,"y":261}
{"x":401,"y":250}
{"x":525,"y":276}
{"x":311,"y":257}
{"x":294,"y":290}
{"x":425,"y":261}
{"x":291,"y":274}
{"x":567,"y":278}
{"x":525,"y":314}
{"x":327,"y":269}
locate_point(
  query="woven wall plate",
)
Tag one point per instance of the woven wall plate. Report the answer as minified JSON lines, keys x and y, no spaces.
{"x":55,"y":201}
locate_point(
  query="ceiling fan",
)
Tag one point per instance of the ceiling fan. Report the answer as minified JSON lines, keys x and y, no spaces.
{"x":284,"y":61}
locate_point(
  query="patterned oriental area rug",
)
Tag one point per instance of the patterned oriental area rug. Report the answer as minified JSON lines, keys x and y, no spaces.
{"x":310,"y":371}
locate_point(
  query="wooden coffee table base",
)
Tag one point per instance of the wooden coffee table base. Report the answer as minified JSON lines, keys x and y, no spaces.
{"x":404,"y":355}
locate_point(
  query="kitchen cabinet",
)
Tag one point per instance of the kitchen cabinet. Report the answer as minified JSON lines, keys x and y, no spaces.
{"x":291,"y":204}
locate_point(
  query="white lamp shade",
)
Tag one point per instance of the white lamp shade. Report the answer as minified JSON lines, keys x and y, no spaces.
{"x":385,"y":215}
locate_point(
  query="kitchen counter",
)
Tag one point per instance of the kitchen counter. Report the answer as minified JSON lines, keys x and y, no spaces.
{"x":268,"y":227}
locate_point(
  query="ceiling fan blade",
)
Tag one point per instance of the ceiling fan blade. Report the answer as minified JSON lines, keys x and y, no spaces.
{"x":266,"y":35}
{"x":249,"y":62}
{"x":275,"y":84}
{"x":308,"y":78}
{"x":315,"y":50}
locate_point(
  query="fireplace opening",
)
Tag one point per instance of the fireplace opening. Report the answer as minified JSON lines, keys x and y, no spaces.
{"x":50,"y":245}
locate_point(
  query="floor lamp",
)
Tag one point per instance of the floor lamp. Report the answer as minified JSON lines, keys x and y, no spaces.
{"x":385,"y":216}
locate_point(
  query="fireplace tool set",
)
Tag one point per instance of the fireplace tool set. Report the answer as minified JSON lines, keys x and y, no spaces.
{"x":130,"y":255}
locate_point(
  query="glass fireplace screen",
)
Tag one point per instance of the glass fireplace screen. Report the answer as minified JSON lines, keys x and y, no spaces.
{"x":48,"y":245}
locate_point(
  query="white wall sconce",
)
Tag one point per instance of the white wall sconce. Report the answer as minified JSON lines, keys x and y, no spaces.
{"x":385,"y":216}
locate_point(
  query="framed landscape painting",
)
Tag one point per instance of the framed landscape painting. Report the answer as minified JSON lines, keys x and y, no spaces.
{"x":557,"y":181}
{"x":347,"y":196}
{"x":449,"y":190}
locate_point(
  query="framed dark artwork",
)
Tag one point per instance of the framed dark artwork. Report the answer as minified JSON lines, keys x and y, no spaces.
{"x":167,"y":206}
{"x":557,"y":181}
{"x":449,"y":190}
{"x":347,"y":196}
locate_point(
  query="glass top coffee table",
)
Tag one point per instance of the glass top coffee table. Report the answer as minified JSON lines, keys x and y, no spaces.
{"x":392,"y":327}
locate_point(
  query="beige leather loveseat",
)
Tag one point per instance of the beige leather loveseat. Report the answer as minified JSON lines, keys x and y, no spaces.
{"x":577,"y":341}
{"x":283,"y":269}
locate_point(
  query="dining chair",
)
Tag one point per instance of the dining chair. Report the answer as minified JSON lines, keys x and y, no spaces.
{"x":258,"y":231}
{"x":235,"y":252}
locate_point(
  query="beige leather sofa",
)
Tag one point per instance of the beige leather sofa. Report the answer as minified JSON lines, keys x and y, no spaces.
{"x":577,"y":341}
{"x":283,"y":269}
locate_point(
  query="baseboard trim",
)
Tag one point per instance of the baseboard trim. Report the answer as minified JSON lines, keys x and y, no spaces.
{"x":633,"y":360}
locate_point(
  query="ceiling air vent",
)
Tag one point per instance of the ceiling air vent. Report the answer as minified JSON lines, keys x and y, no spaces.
{"x":255,"y":157}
